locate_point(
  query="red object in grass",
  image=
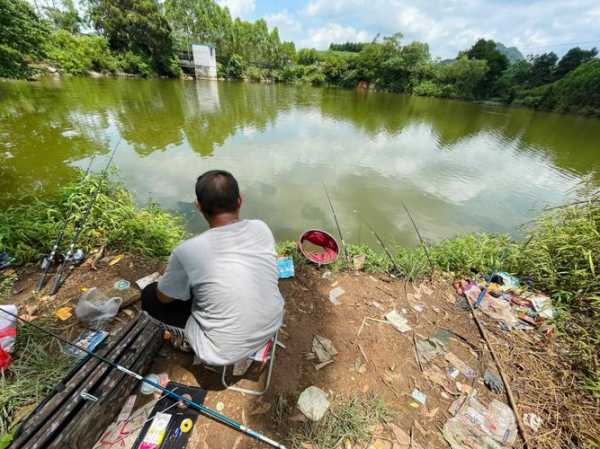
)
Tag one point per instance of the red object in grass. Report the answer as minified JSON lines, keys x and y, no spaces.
{"x":329,"y":246}
{"x":5,"y":359}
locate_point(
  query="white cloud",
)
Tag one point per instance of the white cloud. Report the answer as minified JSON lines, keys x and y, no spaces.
{"x":239,"y":8}
{"x":451,"y":26}
{"x":284,"y":21}
{"x":322,"y":36}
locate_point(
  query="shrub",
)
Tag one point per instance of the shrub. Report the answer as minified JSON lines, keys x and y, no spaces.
{"x":234,"y":69}
{"x":254,"y":73}
{"x":308,"y":56}
{"x":579,"y":91}
{"x":78,"y":54}
{"x":428,"y":88}
{"x":131,"y":63}
{"x":22,"y":37}
{"x":30,"y":228}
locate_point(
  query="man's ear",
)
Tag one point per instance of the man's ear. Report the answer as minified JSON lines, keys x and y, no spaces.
{"x":239,"y":202}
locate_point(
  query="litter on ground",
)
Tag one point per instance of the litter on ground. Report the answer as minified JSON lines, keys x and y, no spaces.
{"x":398,"y":320}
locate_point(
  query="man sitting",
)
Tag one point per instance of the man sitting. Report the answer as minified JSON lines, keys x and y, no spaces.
{"x":219,"y":291}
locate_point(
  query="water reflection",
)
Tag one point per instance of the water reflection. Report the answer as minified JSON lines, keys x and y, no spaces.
{"x":460,"y":166}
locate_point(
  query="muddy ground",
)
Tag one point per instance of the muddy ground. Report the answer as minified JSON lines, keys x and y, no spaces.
{"x":373,"y":359}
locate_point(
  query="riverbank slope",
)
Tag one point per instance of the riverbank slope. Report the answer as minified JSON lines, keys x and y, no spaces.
{"x":374,"y":359}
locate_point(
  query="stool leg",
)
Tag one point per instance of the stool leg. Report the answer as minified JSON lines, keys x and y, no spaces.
{"x":267,"y":382}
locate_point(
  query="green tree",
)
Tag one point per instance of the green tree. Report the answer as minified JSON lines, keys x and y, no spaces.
{"x":65,"y":18}
{"x":77,"y":53}
{"x":464,"y":76}
{"x":354,"y":47}
{"x":308,"y":56}
{"x":579,"y":91}
{"x":512,"y":79}
{"x":573,"y":59}
{"x":22,"y":37}
{"x":137,"y":26}
{"x":485,"y":50}
{"x":201,"y":21}
{"x":542,"y":69}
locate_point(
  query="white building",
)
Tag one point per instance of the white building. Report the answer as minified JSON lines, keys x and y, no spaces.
{"x":205,"y":61}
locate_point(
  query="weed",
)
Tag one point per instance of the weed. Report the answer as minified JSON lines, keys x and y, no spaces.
{"x":563,"y":259}
{"x":29,"y":229}
{"x":6,"y":284}
{"x":350,"y":419}
{"x":38,"y":368}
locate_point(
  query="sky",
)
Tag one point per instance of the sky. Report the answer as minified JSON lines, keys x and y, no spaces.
{"x":448,"y":26}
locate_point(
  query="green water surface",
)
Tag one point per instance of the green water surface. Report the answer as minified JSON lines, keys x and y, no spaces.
{"x":459,"y":166}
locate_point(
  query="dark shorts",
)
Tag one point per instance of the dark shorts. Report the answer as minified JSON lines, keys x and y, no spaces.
{"x":175,"y":313}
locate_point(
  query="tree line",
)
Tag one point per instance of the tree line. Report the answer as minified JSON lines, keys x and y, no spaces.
{"x":144,"y":37}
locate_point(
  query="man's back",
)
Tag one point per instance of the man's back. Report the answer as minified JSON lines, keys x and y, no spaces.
{"x":231,"y":272}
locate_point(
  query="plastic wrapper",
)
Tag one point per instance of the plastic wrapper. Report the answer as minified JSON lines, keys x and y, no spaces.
{"x":95,"y":309}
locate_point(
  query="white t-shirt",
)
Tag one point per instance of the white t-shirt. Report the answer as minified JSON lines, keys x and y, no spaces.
{"x":230,"y":273}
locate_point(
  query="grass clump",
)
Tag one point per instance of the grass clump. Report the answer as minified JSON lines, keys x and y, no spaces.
{"x":351,"y":419}
{"x":29,"y":228}
{"x":38,"y":366}
{"x":563,"y":259}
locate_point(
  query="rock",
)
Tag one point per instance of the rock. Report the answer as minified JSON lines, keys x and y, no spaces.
{"x":335,"y":293}
{"x":313,"y":403}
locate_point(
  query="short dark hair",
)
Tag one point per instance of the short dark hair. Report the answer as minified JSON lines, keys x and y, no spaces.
{"x":217,"y":191}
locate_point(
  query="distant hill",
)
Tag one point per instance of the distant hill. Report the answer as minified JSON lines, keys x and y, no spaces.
{"x":512,"y":53}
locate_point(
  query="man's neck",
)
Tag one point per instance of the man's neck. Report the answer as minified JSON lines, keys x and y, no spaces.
{"x":223,"y":219}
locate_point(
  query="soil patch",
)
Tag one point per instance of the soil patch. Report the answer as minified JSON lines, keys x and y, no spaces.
{"x":373,"y":359}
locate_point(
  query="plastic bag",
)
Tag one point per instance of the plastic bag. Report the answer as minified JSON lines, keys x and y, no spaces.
{"x":94,"y":308}
{"x":477,"y":426}
{"x":8,"y":335}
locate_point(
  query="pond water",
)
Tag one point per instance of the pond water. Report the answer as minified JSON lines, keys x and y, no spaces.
{"x":459,"y":167}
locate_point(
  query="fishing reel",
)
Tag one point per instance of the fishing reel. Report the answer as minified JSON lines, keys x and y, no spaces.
{"x":46,"y":262}
{"x":76,"y":258}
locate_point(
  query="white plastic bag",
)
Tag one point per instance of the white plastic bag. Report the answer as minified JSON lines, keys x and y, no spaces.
{"x":94,"y":308}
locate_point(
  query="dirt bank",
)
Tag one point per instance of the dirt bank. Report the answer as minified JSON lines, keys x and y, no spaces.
{"x":373,"y":359}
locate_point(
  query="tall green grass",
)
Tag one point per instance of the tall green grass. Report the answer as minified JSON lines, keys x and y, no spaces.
{"x":29,"y":228}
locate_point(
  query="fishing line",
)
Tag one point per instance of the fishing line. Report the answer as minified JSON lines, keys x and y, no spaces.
{"x":379,"y":240}
{"x":171,"y":393}
{"x":419,"y":235}
{"x":337,"y":224}
{"x":58,"y":277}
{"x":48,"y":261}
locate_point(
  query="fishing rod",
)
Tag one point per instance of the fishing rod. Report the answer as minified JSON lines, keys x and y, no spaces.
{"x":49,"y":260}
{"x":337,"y":224}
{"x":68,"y":260}
{"x":380,"y":241}
{"x":171,"y":393}
{"x":418,"y":235}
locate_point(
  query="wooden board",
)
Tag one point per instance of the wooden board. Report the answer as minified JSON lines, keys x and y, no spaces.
{"x":68,"y":420}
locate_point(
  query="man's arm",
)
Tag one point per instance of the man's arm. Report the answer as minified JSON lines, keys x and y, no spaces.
{"x":173,"y":285}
